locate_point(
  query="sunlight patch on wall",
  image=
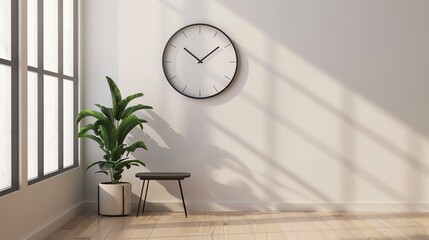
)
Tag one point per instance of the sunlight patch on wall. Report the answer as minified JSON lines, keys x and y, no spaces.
{"x":290,"y":95}
{"x":286,"y":131}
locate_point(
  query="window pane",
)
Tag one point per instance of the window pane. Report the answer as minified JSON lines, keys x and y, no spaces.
{"x":5,"y":127}
{"x":68,"y":37}
{"x":5,"y":29}
{"x":32,"y":125}
{"x":32,"y":32}
{"x":50,"y":124}
{"x":50,"y":35}
{"x":68,"y":121}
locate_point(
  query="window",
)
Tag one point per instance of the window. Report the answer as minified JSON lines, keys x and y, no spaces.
{"x":52,"y":87}
{"x":9,"y":96}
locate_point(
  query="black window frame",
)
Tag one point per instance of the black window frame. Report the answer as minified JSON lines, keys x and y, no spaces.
{"x":40,"y":71}
{"x":13,"y":63}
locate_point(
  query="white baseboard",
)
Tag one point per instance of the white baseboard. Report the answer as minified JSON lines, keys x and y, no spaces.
{"x":259,"y":206}
{"x":57,"y":223}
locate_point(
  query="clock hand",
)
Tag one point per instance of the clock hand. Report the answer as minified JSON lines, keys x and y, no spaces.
{"x":192,"y":55}
{"x":201,"y":61}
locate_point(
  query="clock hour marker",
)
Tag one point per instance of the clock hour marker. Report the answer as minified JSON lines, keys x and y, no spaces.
{"x":172,"y":45}
{"x":215,"y":88}
{"x":200,"y":92}
{"x":227,"y":45}
{"x":167,"y":61}
{"x":184,"y":88}
{"x":228,"y":77}
{"x":171,"y":78}
{"x":199,"y":30}
{"x":231,"y":61}
{"x":184,"y":34}
{"x":215,"y":34}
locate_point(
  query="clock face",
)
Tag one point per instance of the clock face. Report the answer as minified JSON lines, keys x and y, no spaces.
{"x":200,"y":61}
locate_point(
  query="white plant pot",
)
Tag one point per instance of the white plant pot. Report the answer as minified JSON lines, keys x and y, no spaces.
{"x":114,"y":199}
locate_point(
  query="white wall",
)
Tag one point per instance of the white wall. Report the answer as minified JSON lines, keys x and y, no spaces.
{"x":36,"y":211}
{"x":328,"y":109}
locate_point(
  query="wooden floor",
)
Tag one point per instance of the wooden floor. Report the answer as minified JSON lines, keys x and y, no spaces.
{"x":249,"y":225}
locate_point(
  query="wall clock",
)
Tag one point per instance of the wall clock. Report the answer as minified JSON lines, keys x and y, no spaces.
{"x":200,"y":61}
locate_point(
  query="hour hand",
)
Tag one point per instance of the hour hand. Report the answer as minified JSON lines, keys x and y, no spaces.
{"x":199,"y":61}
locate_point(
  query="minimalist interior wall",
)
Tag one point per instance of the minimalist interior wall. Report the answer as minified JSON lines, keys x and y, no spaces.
{"x":328,"y":109}
{"x":36,"y":211}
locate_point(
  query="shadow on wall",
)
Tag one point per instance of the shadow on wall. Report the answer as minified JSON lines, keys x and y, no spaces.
{"x":377,"y":58}
{"x":374,"y":49}
{"x":363,"y":55}
{"x":345,"y":158}
{"x":160,"y":158}
{"x":204,"y":183}
{"x":177,"y":149}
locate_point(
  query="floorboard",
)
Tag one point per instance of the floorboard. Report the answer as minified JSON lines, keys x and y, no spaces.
{"x":248,"y":225}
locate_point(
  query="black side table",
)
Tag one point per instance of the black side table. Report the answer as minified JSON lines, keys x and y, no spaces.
{"x":160,"y":176}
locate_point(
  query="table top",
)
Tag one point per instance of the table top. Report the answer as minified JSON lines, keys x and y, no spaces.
{"x":162,"y":175}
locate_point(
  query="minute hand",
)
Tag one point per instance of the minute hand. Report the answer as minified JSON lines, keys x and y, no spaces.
{"x":201,"y":61}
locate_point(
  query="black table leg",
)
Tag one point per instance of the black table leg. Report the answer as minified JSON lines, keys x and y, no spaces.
{"x":145,"y":195}
{"x":98,"y":199}
{"x":183,"y":199}
{"x":140,"y":201}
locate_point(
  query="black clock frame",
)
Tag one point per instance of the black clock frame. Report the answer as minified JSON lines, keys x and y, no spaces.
{"x":236,"y":59}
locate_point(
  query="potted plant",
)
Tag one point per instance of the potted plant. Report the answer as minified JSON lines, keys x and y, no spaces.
{"x":109,"y":131}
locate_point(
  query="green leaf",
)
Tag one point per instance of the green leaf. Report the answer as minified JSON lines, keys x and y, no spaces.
{"x":109,"y":135}
{"x":102,"y":172}
{"x":96,"y":139}
{"x":117,"y":152}
{"x":133,"y":109}
{"x":134,"y":146}
{"x":142,"y":120}
{"x":141,"y":123}
{"x":95,"y":163}
{"x":118,"y":174}
{"x":127,"y":162}
{"x":126,"y":126}
{"x":104,"y":136}
{"x":89,"y":127}
{"x":122,"y":159}
{"x":89,"y":113}
{"x":116,"y":97}
{"x":106,"y":165}
{"x":124,"y":102}
{"x":108,"y":112}
{"x":86,"y":128}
